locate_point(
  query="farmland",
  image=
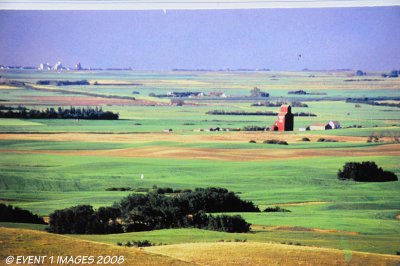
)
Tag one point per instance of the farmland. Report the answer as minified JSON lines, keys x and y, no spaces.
{"x":49,"y":164}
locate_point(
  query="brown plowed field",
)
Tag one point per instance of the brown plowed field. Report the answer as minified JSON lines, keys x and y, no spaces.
{"x":224,"y":154}
{"x":149,"y":137}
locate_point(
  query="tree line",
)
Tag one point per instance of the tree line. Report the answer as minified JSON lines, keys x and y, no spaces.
{"x":143,"y":212}
{"x":61,"y":113}
{"x":279,"y":104}
{"x":62,"y":82}
{"x":371,"y":102}
{"x":266,"y":113}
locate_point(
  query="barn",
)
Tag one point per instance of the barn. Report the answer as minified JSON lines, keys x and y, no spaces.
{"x":285,"y":119}
{"x":334,"y":124}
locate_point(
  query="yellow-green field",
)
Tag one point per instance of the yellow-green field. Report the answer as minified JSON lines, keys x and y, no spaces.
{"x":49,"y":164}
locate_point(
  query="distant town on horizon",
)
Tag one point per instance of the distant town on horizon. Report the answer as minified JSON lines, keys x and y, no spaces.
{"x":79,"y":67}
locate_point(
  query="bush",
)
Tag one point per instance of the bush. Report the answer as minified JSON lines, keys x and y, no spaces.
{"x":252,"y":141}
{"x":230,"y":224}
{"x":142,"y":243}
{"x":275,"y":209}
{"x":9,"y":213}
{"x":365,"y":172}
{"x":326,"y":140}
{"x":305,"y":139}
{"x":253,"y":128}
{"x":119,"y":189}
{"x":275,"y":141}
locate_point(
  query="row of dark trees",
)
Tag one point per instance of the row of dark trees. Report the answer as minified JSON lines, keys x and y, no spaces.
{"x":61,"y":113}
{"x":9,"y":213}
{"x":142,"y":212}
{"x":303,"y":92}
{"x":266,"y":113}
{"x":279,"y":103}
{"x":20,"y":108}
{"x":62,"y":82}
{"x":371,"y":102}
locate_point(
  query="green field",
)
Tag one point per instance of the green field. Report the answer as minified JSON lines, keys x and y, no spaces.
{"x":52,"y":164}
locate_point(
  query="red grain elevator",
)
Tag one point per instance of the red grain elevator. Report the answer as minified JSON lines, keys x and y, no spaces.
{"x":285,"y":119}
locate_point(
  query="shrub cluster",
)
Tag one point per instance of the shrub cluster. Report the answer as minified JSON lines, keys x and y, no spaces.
{"x":365,"y":172}
{"x":61,"y":113}
{"x":83,"y":219}
{"x":275,"y":209}
{"x":138,"y":243}
{"x":373,"y":139}
{"x":326,"y":140}
{"x":9,"y":213}
{"x":253,"y":128}
{"x":292,"y":243}
{"x":275,"y":141}
{"x":139,"y":212}
{"x":256,"y":92}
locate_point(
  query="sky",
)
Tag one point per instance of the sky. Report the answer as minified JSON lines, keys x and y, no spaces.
{"x":326,"y":38}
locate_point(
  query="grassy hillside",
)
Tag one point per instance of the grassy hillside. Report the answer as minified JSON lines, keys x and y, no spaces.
{"x":268,"y":254}
{"x":22,"y":242}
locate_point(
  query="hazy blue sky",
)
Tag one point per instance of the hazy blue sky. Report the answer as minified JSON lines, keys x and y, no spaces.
{"x":357,"y":38}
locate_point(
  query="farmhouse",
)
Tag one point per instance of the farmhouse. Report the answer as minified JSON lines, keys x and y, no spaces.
{"x":324,"y":126}
{"x":285,"y":119}
{"x":218,"y":94}
{"x":320,"y":126}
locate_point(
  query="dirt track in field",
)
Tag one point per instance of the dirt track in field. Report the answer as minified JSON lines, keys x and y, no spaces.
{"x":297,"y":228}
{"x":224,"y":154}
{"x":302,"y":203}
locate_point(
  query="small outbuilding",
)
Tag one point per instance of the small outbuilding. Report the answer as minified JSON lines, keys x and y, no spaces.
{"x":334,"y":124}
